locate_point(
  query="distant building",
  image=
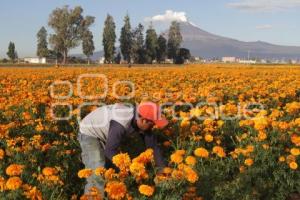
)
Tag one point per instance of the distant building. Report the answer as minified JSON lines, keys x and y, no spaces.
{"x":229,"y":59}
{"x":101,"y":60}
{"x":169,"y":61}
{"x":247,"y":61}
{"x":33,"y":60}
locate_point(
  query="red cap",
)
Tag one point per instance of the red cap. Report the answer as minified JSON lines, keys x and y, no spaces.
{"x":152,"y":112}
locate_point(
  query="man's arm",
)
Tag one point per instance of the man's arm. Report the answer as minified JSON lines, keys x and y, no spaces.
{"x":115,"y":134}
{"x":151,"y":142}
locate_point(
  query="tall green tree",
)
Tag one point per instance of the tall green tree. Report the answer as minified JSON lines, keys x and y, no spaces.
{"x":12,"y":53}
{"x":88,"y":46}
{"x":137,"y":48}
{"x":42,"y":44}
{"x":109,"y":39}
{"x":174,"y":40}
{"x":151,"y":44}
{"x":126,"y":39}
{"x":69,"y":26}
{"x":161,"y":49}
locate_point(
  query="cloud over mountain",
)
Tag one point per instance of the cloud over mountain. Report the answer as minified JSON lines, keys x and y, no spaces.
{"x":168,"y":16}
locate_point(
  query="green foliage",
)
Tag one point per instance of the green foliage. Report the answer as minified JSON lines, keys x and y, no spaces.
{"x":174,"y":40}
{"x":88,"y":44}
{"x":69,"y":26}
{"x":109,"y":39}
{"x":161,"y":49}
{"x":42,"y":44}
{"x":11,"y":53}
{"x":126,"y":39}
{"x":151,"y":44}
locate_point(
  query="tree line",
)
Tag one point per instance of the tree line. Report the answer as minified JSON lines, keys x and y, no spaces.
{"x":71,"y":29}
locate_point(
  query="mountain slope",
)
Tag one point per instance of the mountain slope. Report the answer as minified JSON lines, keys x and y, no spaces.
{"x":205,"y":44}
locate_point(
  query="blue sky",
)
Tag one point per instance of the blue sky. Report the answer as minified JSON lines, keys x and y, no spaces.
{"x":274,"y":21}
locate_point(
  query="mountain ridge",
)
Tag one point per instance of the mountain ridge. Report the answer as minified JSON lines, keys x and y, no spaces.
{"x":208,"y":45}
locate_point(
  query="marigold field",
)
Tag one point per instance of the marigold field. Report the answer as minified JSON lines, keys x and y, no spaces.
{"x":242,"y":143}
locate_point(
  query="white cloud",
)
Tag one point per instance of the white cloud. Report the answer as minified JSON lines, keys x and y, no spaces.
{"x":263,"y":27}
{"x":168,"y":16}
{"x":264,"y":5}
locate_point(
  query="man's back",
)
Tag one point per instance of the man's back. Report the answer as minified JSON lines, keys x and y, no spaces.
{"x":96,"y":123}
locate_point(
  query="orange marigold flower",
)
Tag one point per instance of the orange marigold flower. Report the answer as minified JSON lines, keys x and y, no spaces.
{"x":190,"y":175}
{"x":14,"y":170}
{"x":295,"y":151}
{"x":85,"y":173}
{"x":201,"y":152}
{"x":100,"y":171}
{"x":190,"y":160}
{"x":180,"y":152}
{"x":219,"y":151}
{"x":116,"y":190}
{"x":208,"y":138}
{"x":13,"y":183}
{"x":248,"y":162}
{"x":146,"y":190}
{"x":176,"y":158}
{"x":109,"y":174}
{"x":2,"y":154}
{"x":122,"y":161}
{"x":145,"y":157}
{"x":293,"y":165}
{"x":2,"y":184}
{"x":49,"y":171}
{"x":137,"y":169}
{"x":33,"y":193}
{"x":281,"y":159}
{"x":262,"y":136}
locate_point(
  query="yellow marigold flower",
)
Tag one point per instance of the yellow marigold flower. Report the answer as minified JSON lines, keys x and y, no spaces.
{"x":100,"y":171}
{"x":116,"y":190}
{"x":262,"y":136}
{"x":13,"y":183}
{"x":146,"y":190}
{"x":290,"y":158}
{"x":220,"y":123}
{"x":295,"y":151}
{"x":248,"y":162}
{"x":85,"y":173}
{"x":137,"y":169}
{"x":260,"y":123}
{"x":190,"y":160}
{"x":208,"y":138}
{"x":201,"y":152}
{"x":49,"y":171}
{"x":176,"y":158}
{"x":281,"y":159}
{"x":293,"y":165}
{"x":2,"y":154}
{"x":14,"y":170}
{"x":122,"y":161}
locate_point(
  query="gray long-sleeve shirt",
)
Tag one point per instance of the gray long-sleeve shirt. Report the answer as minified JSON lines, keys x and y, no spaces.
{"x":110,"y":124}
